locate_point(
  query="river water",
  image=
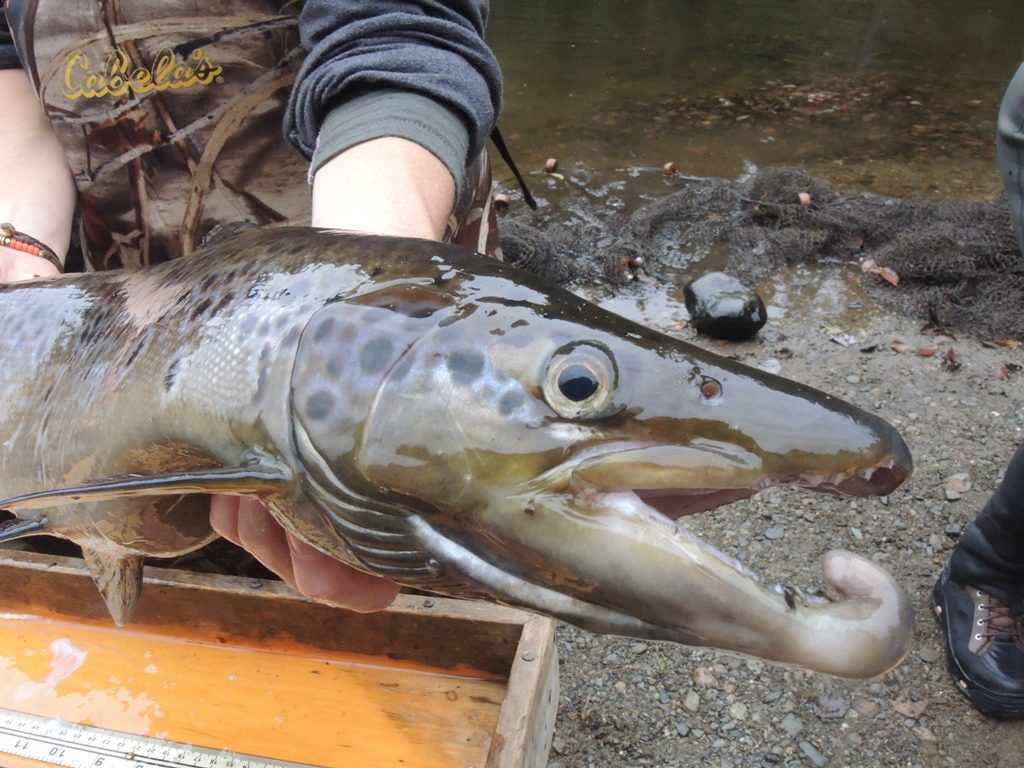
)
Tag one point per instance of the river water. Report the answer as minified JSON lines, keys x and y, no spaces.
{"x":892,"y":96}
{"x":896,"y":96}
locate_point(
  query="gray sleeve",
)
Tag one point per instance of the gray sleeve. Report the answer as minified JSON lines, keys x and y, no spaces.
{"x":395,"y":113}
{"x":424,"y":47}
{"x":8,"y":53}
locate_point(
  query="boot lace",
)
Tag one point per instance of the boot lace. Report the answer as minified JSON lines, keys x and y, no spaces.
{"x":999,"y":621}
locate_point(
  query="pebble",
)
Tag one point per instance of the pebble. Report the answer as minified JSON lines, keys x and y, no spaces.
{"x":929,"y":653}
{"x":831,"y":704}
{"x":703,"y":676}
{"x":817,"y":759}
{"x":682,"y":728}
{"x":774,"y":533}
{"x":738,"y":711}
{"x":691,"y":702}
{"x":792,"y":724}
{"x":956,"y":485}
{"x":723,"y":307}
{"x":866,"y":708}
{"x":924,"y":733}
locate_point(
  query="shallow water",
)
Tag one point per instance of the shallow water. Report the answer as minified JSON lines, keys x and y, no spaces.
{"x":892,"y":95}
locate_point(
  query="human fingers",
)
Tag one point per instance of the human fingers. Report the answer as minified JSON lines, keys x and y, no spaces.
{"x":247,"y":523}
{"x":325,"y":579}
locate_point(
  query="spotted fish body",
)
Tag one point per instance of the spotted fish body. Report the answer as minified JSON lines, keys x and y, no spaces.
{"x":439,"y":419}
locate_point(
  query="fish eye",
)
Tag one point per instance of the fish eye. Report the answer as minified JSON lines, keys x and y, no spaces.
{"x":580,"y":381}
{"x":577,"y":382}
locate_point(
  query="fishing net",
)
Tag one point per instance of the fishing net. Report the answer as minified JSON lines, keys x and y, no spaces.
{"x":955,"y":263}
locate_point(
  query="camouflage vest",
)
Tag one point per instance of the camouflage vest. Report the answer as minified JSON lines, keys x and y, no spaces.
{"x":170,"y":114}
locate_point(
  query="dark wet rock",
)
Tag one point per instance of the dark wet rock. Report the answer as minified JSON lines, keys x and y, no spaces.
{"x":722,"y":307}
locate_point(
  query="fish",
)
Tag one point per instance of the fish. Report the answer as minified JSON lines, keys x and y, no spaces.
{"x":444,"y":420}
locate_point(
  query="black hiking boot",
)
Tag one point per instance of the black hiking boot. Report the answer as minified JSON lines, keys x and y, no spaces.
{"x":984,"y":642}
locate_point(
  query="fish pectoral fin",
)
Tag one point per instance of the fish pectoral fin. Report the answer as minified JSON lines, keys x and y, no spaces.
{"x":251,"y":479}
{"x":119,"y":580}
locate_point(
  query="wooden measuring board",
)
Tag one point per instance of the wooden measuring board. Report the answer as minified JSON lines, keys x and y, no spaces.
{"x":219,"y":672}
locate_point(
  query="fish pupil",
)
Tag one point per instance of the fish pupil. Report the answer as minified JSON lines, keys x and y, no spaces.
{"x":577,"y":383}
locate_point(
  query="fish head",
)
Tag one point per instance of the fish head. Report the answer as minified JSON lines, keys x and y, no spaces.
{"x":543,"y":450}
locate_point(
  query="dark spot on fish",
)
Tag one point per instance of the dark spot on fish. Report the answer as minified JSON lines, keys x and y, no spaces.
{"x":222,"y":304}
{"x":510,"y":401}
{"x":348,"y":333}
{"x":447,"y":321}
{"x":200,"y":309}
{"x":336,"y":364}
{"x":322,"y":329}
{"x":319,"y":405}
{"x":375,"y":355}
{"x":466,"y":365}
{"x":172,"y":374}
{"x":790,"y":596}
{"x":262,"y":377}
{"x":520,"y":323}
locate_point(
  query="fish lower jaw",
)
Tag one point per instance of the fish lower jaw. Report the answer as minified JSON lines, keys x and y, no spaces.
{"x":862,"y":633}
{"x":654,"y":503}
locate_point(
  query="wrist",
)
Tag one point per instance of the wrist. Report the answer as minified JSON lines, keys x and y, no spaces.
{"x":17,"y":265}
{"x":14,"y":240}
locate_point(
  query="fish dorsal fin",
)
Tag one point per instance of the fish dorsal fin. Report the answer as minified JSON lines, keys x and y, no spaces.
{"x":119,"y":580}
{"x":252,"y":479}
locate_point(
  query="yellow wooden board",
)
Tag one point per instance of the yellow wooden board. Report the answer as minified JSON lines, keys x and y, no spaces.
{"x":295,"y":681}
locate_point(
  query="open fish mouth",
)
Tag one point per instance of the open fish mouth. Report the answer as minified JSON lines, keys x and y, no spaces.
{"x":682,"y":502}
{"x":641,"y":572}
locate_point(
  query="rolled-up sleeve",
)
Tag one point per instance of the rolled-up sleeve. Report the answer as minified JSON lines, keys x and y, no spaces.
{"x":431,"y":49}
{"x":8,"y":53}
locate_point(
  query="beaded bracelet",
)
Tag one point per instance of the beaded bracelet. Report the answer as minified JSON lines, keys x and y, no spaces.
{"x":19,"y":241}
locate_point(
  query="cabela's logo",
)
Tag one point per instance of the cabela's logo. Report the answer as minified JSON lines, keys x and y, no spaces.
{"x":119,"y":77}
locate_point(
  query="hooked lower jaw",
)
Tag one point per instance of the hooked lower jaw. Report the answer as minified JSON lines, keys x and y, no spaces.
{"x":650,"y":577}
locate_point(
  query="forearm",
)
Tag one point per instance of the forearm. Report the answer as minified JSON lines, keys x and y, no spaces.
{"x":387,"y":186}
{"x":37,"y":193}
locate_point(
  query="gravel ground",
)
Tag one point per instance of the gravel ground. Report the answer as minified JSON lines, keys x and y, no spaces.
{"x":630,"y":703}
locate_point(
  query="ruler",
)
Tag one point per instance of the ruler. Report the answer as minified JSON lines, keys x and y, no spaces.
{"x":56,"y":742}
